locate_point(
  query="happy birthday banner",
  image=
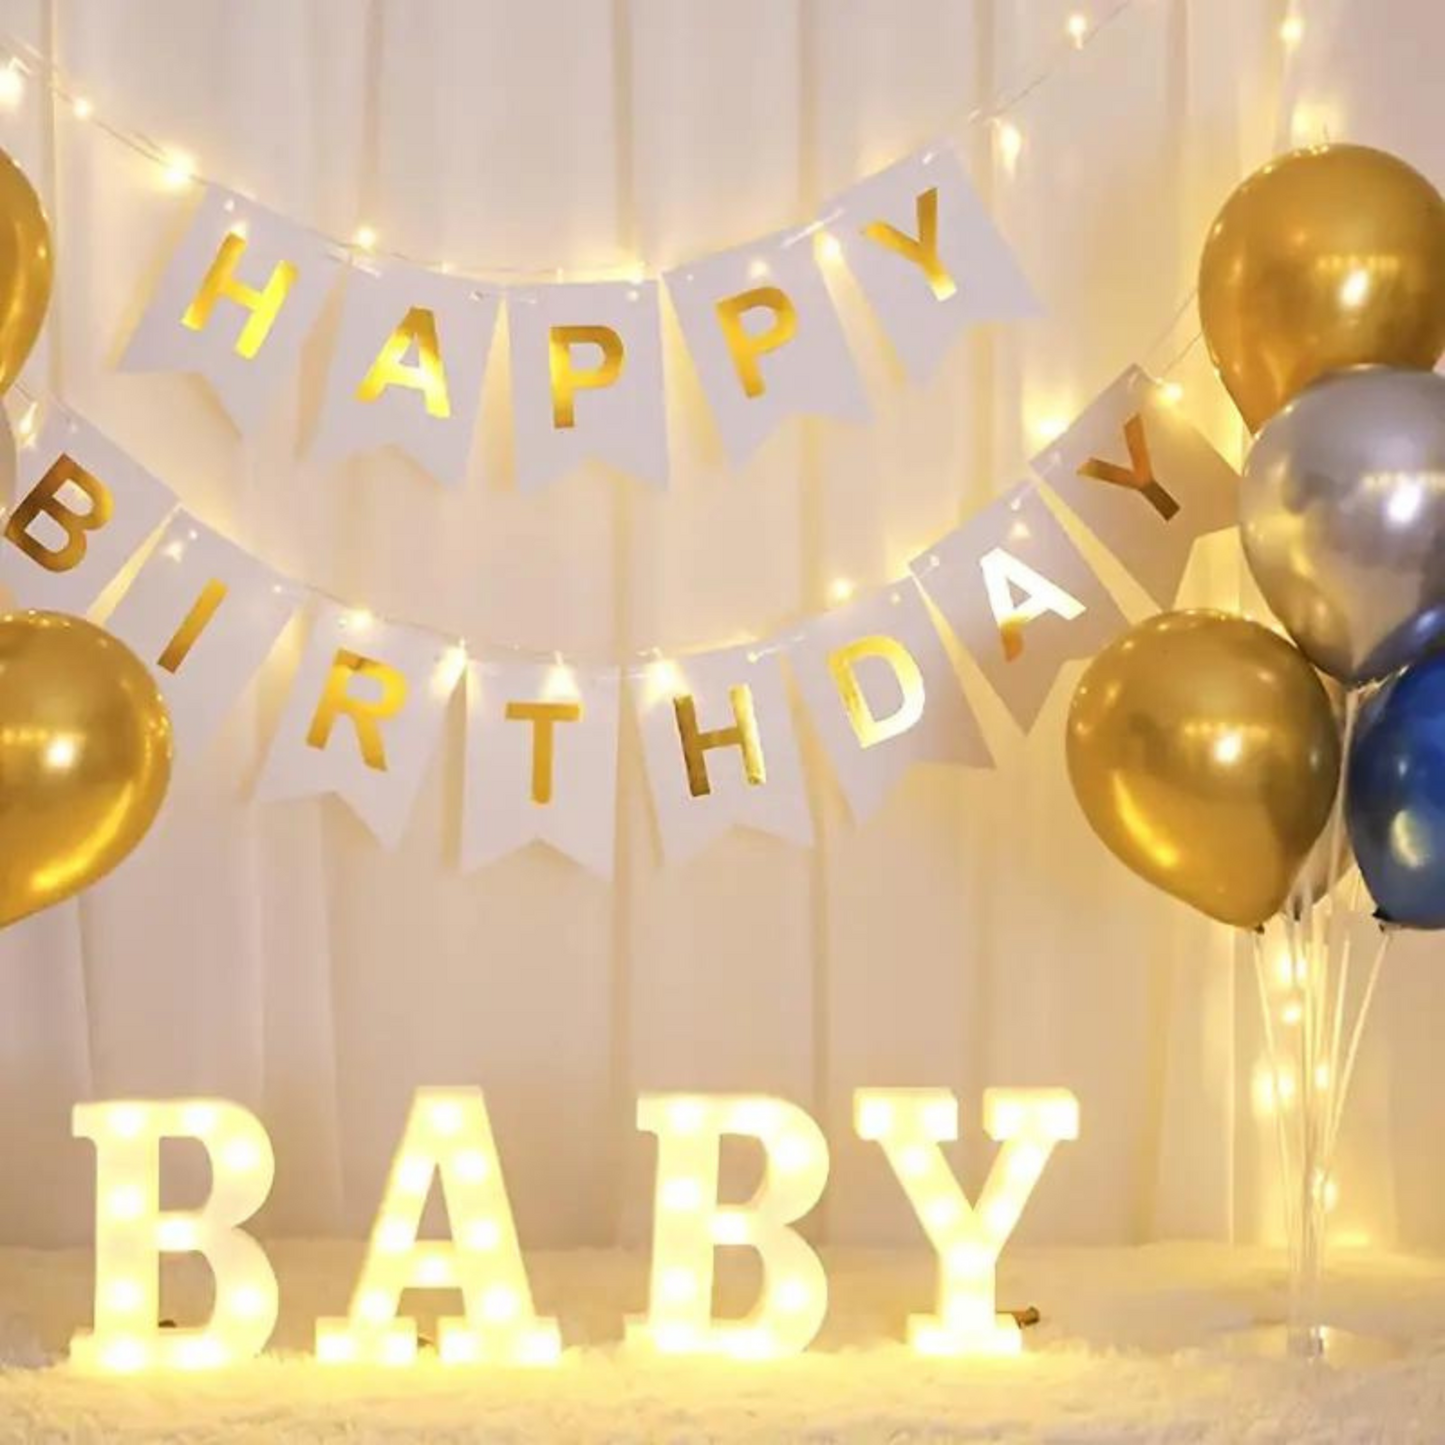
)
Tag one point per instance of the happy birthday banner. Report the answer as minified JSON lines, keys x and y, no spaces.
{"x":243,"y":292}
{"x":366,"y":706}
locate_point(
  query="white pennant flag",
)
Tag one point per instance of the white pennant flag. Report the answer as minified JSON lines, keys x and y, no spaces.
{"x":587,"y":379}
{"x":1020,"y":597}
{"x":1144,"y":478}
{"x":407,"y":368}
{"x":927,"y":255}
{"x":234,"y":305}
{"x":766,"y":341}
{"x":883,"y":694}
{"x":205,"y":615}
{"x":541,"y":761}
{"x":720,"y":750}
{"x":363,"y":716}
{"x":82,"y":509}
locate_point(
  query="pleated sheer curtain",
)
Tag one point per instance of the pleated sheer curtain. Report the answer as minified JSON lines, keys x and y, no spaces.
{"x":973,"y":932}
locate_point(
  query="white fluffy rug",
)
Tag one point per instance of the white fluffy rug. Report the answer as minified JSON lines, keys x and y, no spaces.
{"x":1135,"y":1346}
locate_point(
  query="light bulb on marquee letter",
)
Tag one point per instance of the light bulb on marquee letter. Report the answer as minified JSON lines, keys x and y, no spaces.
{"x":44,"y":498}
{"x":910,"y":1124}
{"x":448,"y":1136}
{"x":868,"y":728}
{"x":222,"y":283}
{"x":689,"y":1224}
{"x":747,"y":347}
{"x":131,"y":1233}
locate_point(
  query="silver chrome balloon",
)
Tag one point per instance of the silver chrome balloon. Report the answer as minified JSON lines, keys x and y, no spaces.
{"x":1342,"y":512}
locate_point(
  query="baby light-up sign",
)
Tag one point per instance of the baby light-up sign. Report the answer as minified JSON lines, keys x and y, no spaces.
{"x":448,"y":1139}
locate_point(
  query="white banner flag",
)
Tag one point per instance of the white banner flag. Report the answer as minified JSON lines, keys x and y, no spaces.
{"x":883,"y":694}
{"x":407,"y":368}
{"x":235,"y":303}
{"x":587,"y":380}
{"x":363,"y":716}
{"x":720,"y":750}
{"x":204,"y":614}
{"x":541,"y":761}
{"x":1145,"y":480}
{"x":927,"y":255}
{"x":1020,"y":597}
{"x":765,"y":339}
{"x":82,"y":509}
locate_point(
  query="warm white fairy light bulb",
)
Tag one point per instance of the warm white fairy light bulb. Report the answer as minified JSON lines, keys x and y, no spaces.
{"x":180,"y":170}
{"x":82,"y":108}
{"x":1291,"y":30}
{"x":1048,"y":428}
{"x":25,"y":426}
{"x":12,"y":85}
{"x":364,"y":238}
{"x":1010,"y":142}
{"x":1078,"y":28}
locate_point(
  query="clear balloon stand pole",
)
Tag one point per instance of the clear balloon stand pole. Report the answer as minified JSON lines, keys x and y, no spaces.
{"x":1312,"y":1033}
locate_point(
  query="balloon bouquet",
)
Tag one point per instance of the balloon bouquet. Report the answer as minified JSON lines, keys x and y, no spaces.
{"x":85,"y":739}
{"x":1206,"y":750}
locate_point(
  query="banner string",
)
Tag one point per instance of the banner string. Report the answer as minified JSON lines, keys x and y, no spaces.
{"x":26,"y":61}
{"x":27,"y":427}
{"x":23,"y":60}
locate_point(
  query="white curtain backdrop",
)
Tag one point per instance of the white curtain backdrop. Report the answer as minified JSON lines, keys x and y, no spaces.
{"x":973,"y":932}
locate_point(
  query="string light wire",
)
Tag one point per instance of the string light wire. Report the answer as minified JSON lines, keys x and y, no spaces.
{"x":178,"y":169}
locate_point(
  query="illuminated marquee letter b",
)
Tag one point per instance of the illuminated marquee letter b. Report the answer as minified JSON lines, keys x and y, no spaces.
{"x":690,"y":1224}
{"x":132,"y":1232}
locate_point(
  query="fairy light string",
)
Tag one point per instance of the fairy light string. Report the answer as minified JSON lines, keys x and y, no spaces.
{"x":179,"y":169}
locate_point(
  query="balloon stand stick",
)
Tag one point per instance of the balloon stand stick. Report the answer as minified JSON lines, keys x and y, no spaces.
{"x":1313,"y":1023}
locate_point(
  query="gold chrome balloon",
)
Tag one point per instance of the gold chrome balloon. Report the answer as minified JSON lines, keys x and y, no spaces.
{"x":1324,"y":258}
{"x":25,"y":269}
{"x":85,"y":756}
{"x":1205,"y":753}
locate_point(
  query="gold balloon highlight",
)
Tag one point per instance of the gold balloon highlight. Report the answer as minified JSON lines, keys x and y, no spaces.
{"x":1322,"y":259}
{"x":1205,"y":753}
{"x":85,"y":757}
{"x":25,"y":269}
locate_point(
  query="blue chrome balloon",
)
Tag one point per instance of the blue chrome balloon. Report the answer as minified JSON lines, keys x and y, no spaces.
{"x":1395,"y":795}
